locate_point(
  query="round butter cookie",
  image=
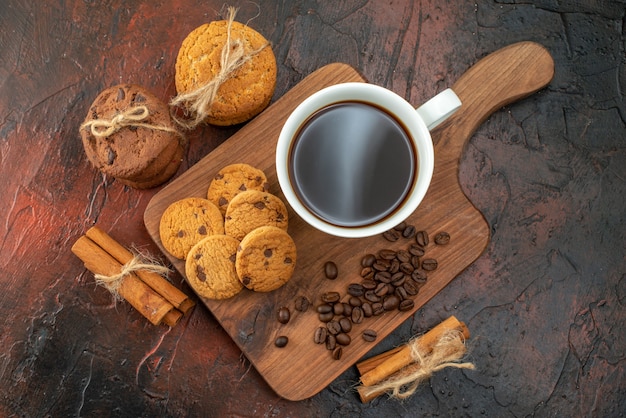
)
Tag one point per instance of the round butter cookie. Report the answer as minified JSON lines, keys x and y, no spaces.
{"x":210,"y":267}
{"x":251,"y":209}
{"x":129,"y":134}
{"x":247,"y":90}
{"x":266,"y":259}
{"x":186,"y":222}
{"x":232,"y":180}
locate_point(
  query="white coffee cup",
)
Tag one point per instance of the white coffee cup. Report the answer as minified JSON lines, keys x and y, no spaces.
{"x":376,"y":106}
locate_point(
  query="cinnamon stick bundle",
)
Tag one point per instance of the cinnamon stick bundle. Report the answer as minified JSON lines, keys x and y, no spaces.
{"x":390,"y":364}
{"x":153,"y":296}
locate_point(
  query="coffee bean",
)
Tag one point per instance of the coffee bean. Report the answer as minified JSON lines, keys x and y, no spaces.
{"x":367,"y":309}
{"x":371,"y":296}
{"x":421,"y":237}
{"x":377,"y":309}
{"x":417,"y":250}
{"x":331,"y":342}
{"x":403,"y":256}
{"x":325,"y":317}
{"x":381,"y":289}
{"x":383,"y":277}
{"x":406,"y":268}
{"x":283,"y":315}
{"x":355,"y":302}
{"x":387,"y":254}
{"x":355,"y":289}
{"x":369,"y":335}
{"x":401,"y":293}
{"x":390,"y":302}
{"x":419,"y":276}
{"x":398,"y":279}
{"x":347,"y":309}
{"x":429,"y":264}
{"x":368,"y":260}
{"x":333,"y":327}
{"x":330,"y":270}
{"x":338,"y":309}
{"x":357,"y":315}
{"x":416,"y":261}
{"x":394,"y":266}
{"x":331,"y":297}
{"x":346,"y":324}
{"x":400,"y":227}
{"x":381,"y":265}
{"x":368,"y":284}
{"x":337,"y":353}
{"x":368,"y":273}
{"x":408,"y":232}
{"x":324,"y":308}
{"x":302,"y":304}
{"x":281,"y":341}
{"x":320,"y":335}
{"x":392,"y":235}
{"x":406,"y":305}
{"x":343,"y":339}
{"x":410,"y":287}
{"x":442,"y":238}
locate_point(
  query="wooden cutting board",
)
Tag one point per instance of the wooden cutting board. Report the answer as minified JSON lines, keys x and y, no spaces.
{"x":303,"y":368}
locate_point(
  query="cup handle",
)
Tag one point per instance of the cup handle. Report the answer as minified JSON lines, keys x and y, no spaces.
{"x":439,"y":108}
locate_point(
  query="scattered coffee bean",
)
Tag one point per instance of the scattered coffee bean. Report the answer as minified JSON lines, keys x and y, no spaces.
{"x":377,"y":309}
{"x":331,"y":297}
{"x":325,"y":317}
{"x":410,"y":287}
{"x":324,"y":308}
{"x":403,"y":256}
{"x":421,"y":237}
{"x":343,"y":339}
{"x":391,"y":302}
{"x":368,"y":260}
{"x":406,"y":305}
{"x":392,"y":235}
{"x":429,"y":264}
{"x":369,"y":335}
{"x":281,"y":341}
{"x":320,"y":335}
{"x":368,"y":273}
{"x":283,"y":315}
{"x":387,"y":254}
{"x":408,"y":232}
{"x":347,"y":309}
{"x":401,"y":293}
{"x":383,"y":277}
{"x":337,"y":353}
{"x":407,"y":268}
{"x":357,"y":315}
{"x":417,"y":250}
{"x":367,"y":309}
{"x":419,"y":276}
{"x":355,"y":289}
{"x":346,"y":324}
{"x":368,"y":284}
{"x":338,"y":309}
{"x":330,"y":270}
{"x":355,"y":302}
{"x":331,"y":342}
{"x":400,"y":227}
{"x":381,"y":290}
{"x":371,"y":296}
{"x":333,"y":327}
{"x":442,"y":238}
{"x":302,"y":304}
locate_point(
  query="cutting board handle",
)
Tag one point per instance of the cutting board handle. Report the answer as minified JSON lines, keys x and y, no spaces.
{"x":500,"y":78}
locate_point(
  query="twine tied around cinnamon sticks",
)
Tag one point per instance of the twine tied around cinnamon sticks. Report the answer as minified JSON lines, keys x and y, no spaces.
{"x":137,"y":263}
{"x":400,"y":371}
{"x":133,"y":116}
{"x":198,"y":102}
{"x":131,"y":278}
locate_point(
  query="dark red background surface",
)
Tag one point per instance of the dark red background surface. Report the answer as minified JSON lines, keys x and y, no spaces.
{"x":545,"y":303}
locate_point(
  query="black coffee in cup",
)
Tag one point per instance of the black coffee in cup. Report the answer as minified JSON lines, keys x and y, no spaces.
{"x":352,"y":164}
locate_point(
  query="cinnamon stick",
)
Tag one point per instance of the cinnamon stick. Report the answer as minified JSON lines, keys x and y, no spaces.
{"x":141,"y":296}
{"x":402,"y":357}
{"x":164,"y":288}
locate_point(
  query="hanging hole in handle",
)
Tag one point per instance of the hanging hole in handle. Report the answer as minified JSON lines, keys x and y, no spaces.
{"x":439,"y":108}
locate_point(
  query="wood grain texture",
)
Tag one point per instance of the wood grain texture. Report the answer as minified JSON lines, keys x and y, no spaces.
{"x":302,"y":369}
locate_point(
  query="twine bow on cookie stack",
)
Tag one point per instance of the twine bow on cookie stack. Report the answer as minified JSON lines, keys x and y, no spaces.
{"x":133,"y":116}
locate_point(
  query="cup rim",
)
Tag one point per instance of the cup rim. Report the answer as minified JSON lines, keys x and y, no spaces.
{"x":393,"y":103}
